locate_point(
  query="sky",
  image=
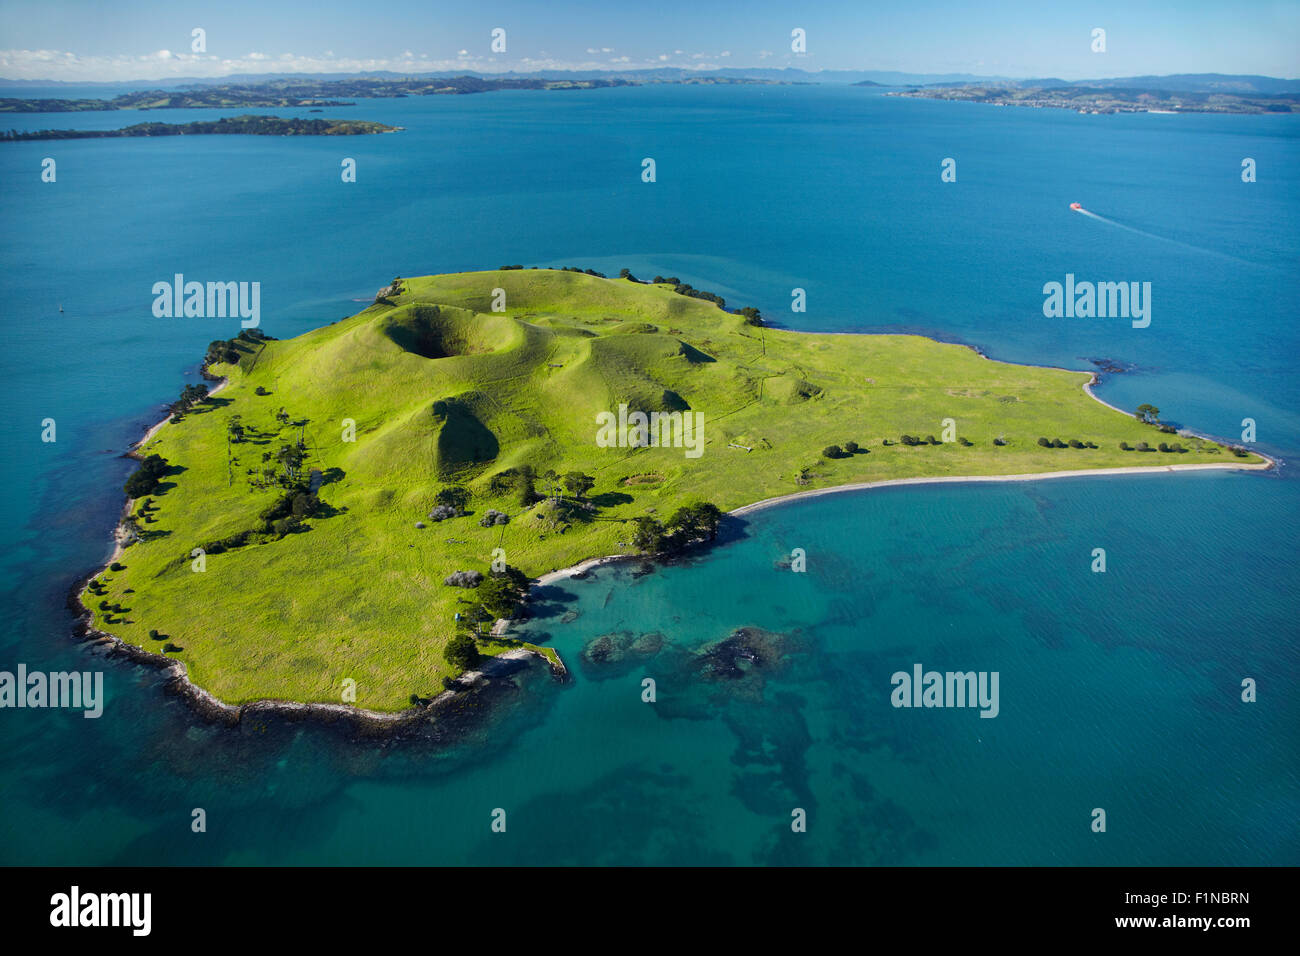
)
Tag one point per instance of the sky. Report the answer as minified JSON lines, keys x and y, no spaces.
{"x":122,"y":40}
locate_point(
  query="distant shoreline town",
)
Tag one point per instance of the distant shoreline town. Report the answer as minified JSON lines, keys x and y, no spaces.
{"x":1177,"y":93}
{"x":1098,"y":101}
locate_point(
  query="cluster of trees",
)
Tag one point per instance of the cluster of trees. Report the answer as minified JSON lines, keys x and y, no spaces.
{"x":493,"y":517}
{"x":913,"y":440}
{"x":1058,"y":443}
{"x":145,"y":479}
{"x":455,"y":497}
{"x":497,"y":595}
{"x":590,"y":272}
{"x":1147,"y":413}
{"x":286,"y":514}
{"x":461,"y":652}
{"x":847,"y":450}
{"x":1175,"y":448}
{"x":291,"y":457}
{"x":221,"y":350}
{"x":688,"y":524}
{"x":190,"y":396}
{"x":449,"y":502}
{"x":227,"y":350}
{"x":500,"y":595}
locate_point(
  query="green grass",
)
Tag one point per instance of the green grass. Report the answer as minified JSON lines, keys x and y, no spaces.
{"x":361,"y":596}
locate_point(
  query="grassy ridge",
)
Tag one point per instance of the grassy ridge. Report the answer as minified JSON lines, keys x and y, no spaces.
{"x":361,"y":596}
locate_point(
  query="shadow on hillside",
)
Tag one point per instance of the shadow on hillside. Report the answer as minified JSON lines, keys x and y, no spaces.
{"x":610,"y":499}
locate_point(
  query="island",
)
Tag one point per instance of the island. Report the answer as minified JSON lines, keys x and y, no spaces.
{"x":351,"y":517}
{"x":227,"y":126}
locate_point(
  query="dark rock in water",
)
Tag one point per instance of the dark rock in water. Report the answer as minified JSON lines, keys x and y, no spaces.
{"x":617,"y":653}
{"x":744,"y":651}
{"x":647,"y":644}
{"x":604,"y":649}
{"x":1111,"y":366}
{"x":570,"y":616}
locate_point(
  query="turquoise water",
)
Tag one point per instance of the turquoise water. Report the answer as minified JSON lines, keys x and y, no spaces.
{"x":1117,"y":690}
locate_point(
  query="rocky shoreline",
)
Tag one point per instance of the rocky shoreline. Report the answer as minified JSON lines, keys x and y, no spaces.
{"x":357,"y":722}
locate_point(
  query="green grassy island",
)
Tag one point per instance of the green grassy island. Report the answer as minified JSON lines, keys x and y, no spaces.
{"x":338,"y":479}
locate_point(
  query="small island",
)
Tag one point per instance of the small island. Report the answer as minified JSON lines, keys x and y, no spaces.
{"x":227,"y":126}
{"x":367,"y":504}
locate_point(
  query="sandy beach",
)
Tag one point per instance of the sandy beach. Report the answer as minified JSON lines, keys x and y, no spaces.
{"x":154,"y":429}
{"x":562,"y":573}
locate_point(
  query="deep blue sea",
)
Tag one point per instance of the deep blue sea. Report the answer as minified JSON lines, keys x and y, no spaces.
{"x":1118,"y":691}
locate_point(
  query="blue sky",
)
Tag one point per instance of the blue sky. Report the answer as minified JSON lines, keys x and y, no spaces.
{"x":151,"y":39}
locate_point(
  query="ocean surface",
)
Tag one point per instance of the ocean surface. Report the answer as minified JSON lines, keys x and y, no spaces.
{"x":1118,"y":691}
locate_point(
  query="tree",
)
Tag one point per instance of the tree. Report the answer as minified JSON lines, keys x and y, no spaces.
{"x":461,"y":652}
{"x":1147,"y":413}
{"x":648,"y":535}
{"x":832,"y":451}
{"x":144,"y":480}
{"x":851,"y":447}
{"x":464,"y":579}
{"x":502,"y":593}
{"x":751,"y":315}
{"x":707,"y":517}
{"x":578,"y":484}
{"x":291,"y":457}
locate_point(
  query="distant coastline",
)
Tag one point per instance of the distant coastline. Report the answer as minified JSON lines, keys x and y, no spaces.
{"x":1097,"y":100}
{"x":279,"y":94}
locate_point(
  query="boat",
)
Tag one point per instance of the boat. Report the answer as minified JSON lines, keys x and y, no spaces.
{"x":1076,"y":207}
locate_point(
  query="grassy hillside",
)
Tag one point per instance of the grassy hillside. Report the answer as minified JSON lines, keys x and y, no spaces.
{"x":443,"y":390}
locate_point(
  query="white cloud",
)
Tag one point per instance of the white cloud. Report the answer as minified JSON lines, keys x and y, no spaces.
{"x":166,"y":64}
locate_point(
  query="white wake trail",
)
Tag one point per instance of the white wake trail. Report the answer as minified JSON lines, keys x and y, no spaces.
{"x":1152,"y":235}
